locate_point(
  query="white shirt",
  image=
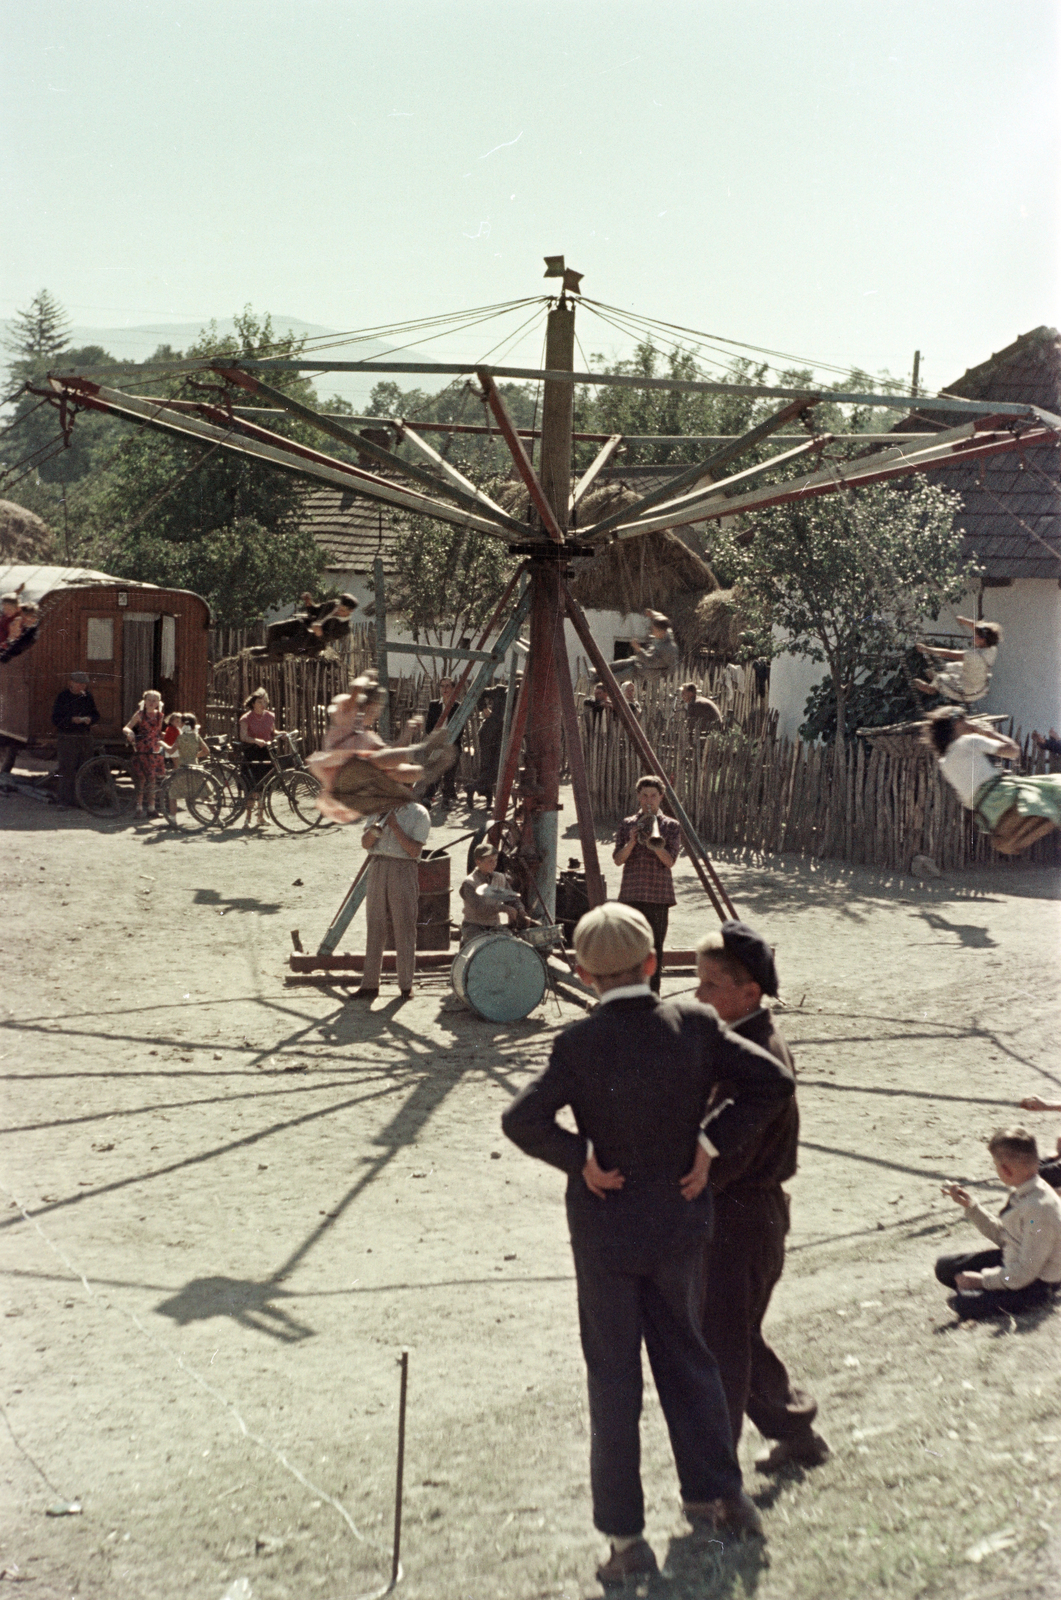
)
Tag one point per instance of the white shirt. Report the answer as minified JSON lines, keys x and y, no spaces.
{"x":966,"y":767}
{"x":412,"y":819}
{"x":1028,"y":1232}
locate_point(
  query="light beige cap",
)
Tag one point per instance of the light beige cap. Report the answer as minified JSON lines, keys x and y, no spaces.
{"x":612,"y":938}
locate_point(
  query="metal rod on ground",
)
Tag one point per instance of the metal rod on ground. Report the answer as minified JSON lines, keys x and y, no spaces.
{"x":698,"y":855}
{"x":382,"y":671}
{"x":396,"y":1565}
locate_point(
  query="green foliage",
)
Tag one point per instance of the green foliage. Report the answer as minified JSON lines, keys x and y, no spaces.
{"x":36,"y":335}
{"x":885,"y":697}
{"x":849,"y":577}
{"x":204,"y":519}
{"x":476,"y":455}
{"x":447,"y":580}
{"x":241,"y":568}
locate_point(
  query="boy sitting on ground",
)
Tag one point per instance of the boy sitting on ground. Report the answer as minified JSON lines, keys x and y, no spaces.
{"x":1024,"y":1268}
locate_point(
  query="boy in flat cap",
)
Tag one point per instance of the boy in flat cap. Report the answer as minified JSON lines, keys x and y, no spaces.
{"x":638,"y":1074}
{"x":745,"y":1256}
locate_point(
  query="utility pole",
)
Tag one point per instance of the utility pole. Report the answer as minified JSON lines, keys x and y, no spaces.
{"x":917,"y":371}
{"x":542,"y":790}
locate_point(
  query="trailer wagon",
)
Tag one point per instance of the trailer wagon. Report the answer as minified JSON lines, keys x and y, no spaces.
{"x":127,"y":636}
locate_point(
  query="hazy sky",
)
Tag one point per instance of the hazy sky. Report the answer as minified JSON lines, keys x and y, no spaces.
{"x":836,"y":178}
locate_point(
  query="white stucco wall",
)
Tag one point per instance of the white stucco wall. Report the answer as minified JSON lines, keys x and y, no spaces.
{"x":1026,"y":683}
{"x":791,"y":680}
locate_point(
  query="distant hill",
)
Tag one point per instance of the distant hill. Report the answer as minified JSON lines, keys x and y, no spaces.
{"x":140,"y":342}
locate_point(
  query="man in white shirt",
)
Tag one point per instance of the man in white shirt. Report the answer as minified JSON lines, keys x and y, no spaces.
{"x":1024,"y":1268}
{"x":394,"y":842}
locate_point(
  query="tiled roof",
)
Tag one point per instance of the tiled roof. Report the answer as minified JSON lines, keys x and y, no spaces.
{"x":1026,"y":482}
{"x":350,"y":529}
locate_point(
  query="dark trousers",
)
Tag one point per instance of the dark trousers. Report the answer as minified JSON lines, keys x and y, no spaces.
{"x":1050,"y":1171}
{"x":74,"y":750}
{"x":639,"y":1266}
{"x":657,"y":917}
{"x":448,"y":784}
{"x":991,"y":1301}
{"x":743,"y":1262}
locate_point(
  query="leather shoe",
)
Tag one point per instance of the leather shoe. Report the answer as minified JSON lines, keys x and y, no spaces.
{"x":805,"y":1450}
{"x":365,"y":994}
{"x":737,"y":1516}
{"x":637,"y":1560}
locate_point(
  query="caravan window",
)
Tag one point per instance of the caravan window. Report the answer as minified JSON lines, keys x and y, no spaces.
{"x":100,"y":642}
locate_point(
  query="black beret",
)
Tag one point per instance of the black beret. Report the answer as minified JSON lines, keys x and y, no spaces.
{"x":753,"y":952}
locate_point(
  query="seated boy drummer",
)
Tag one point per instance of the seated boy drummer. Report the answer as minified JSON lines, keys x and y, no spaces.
{"x":1024,"y":1268}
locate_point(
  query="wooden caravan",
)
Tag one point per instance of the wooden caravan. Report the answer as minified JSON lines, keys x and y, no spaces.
{"x":128,"y":637}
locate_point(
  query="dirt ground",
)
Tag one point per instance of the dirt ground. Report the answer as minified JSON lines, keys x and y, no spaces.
{"x":228,"y":1202}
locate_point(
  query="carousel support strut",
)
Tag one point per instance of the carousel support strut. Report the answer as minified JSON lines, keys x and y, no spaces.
{"x":699,"y":856}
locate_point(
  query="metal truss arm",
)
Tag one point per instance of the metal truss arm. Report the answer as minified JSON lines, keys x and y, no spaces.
{"x":705,"y":469}
{"x":520,"y":457}
{"x":472,"y":500}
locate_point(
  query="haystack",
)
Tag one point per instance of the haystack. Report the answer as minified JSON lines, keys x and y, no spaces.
{"x":24,"y":537}
{"x":654,"y":569}
{"x":720,"y":620}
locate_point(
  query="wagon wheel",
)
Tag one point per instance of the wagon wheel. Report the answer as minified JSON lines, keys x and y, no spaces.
{"x":105,"y":786}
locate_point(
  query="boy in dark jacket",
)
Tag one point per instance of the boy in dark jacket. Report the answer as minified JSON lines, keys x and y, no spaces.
{"x":638,"y":1074}
{"x":746,"y":1254}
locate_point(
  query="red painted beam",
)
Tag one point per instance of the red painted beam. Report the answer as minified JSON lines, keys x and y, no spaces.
{"x":520,"y":457}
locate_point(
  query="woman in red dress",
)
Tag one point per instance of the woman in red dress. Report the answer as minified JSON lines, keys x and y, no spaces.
{"x":144,"y":733}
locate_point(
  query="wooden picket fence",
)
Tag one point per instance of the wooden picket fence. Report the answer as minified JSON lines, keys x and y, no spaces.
{"x":873,"y":806}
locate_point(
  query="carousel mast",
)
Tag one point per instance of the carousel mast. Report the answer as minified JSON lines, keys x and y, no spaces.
{"x":547,"y":648}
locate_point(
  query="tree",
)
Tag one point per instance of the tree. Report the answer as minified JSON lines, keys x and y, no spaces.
{"x":447,"y":580}
{"x":39,"y":333}
{"x":203,"y":518}
{"x":848,"y":578}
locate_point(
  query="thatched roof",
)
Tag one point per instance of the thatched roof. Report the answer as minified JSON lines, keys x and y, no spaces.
{"x":24,"y":537}
{"x":626,"y":575}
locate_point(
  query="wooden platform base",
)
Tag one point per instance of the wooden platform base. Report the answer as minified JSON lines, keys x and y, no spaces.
{"x":429,"y":961}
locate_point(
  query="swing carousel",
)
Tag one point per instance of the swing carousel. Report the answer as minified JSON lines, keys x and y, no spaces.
{"x":553,"y":536}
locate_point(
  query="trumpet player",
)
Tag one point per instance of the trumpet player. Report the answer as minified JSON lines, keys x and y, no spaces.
{"x":647,"y":845}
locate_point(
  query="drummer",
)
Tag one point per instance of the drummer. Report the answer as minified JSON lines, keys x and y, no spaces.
{"x":481,"y":897}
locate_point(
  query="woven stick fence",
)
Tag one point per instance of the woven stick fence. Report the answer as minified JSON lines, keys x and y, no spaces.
{"x":873,"y":805}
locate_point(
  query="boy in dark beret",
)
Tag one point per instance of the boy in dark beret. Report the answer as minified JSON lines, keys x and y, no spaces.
{"x":746,"y":1254}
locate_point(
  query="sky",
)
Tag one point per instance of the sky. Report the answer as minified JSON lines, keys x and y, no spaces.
{"x":833,"y":179}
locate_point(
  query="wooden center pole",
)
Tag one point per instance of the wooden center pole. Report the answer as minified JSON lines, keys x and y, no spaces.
{"x":542,"y":793}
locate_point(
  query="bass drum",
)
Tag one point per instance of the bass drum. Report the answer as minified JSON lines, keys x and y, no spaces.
{"x":499,"y":976}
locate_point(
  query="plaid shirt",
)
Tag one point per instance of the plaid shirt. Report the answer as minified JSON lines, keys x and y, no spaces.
{"x":645,"y":879}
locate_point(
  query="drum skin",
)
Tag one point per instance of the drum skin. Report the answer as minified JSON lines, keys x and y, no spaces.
{"x":500,"y":977}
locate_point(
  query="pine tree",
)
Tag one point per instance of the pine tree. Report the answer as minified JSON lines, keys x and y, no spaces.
{"x":39,"y":333}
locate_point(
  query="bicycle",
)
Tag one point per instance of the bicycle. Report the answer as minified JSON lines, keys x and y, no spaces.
{"x":105,"y":786}
{"x":201,"y":792}
{"x":290,"y":791}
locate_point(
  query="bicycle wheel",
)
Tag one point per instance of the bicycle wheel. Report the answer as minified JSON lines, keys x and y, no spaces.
{"x":233,"y":793}
{"x":105,"y":787}
{"x":292,"y":801}
{"x":204,"y":797}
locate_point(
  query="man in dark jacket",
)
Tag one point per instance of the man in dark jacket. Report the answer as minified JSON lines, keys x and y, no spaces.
{"x":73,"y":716}
{"x":638,"y":1075}
{"x":746,"y":1253}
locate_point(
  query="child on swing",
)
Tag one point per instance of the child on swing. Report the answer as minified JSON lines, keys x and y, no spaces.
{"x":1015,"y":810}
{"x":967,"y":677}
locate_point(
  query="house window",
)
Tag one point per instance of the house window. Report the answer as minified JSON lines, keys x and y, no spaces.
{"x":100,"y":644}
